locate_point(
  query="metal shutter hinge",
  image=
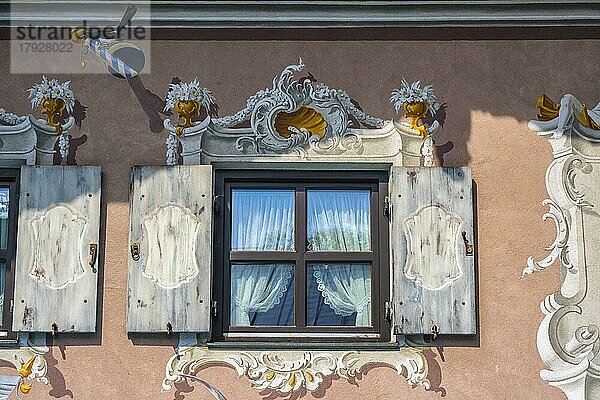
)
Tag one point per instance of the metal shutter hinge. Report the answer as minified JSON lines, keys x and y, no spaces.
{"x":386,"y":206}
{"x":218,"y":203}
{"x":389,"y":310}
{"x":214,"y":308}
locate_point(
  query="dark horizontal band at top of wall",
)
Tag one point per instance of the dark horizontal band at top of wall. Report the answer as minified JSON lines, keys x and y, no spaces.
{"x":315,"y":14}
{"x":368,"y":34}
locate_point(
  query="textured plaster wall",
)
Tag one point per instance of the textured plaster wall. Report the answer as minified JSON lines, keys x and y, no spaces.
{"x":490,"y":88}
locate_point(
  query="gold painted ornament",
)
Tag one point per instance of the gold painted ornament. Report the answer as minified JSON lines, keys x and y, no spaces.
{"x":548,"y":109}
{"x":304,"y":117}
{"x":415,"y":110}
{"x":25,"y":371}
{"x":186,"y":109}
{"x":53,"y":108}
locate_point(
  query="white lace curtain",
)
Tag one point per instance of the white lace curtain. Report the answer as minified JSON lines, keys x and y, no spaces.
{"x":261,"y":220}
{"x":346,"y":289}
{"x":257,"y":288}
{"x":337,"y":220}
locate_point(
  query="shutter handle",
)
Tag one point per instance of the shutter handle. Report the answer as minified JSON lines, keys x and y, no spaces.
{"x":135,"y":251}
{"x":93,"y":255}
{"x":468,"y":246}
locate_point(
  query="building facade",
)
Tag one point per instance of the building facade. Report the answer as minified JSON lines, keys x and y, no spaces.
{"x":244,"y":213}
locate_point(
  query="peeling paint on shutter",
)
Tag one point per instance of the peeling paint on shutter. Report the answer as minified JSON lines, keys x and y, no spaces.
{"x":432,"y":250}
{"x":170,"y":249}
{"x":56,"y":277}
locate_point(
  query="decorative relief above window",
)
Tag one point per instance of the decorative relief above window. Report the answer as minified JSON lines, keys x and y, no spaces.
{"x":295,"y":118}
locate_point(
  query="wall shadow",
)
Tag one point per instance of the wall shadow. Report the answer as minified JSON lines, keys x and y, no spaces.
{"x":55,"y":376}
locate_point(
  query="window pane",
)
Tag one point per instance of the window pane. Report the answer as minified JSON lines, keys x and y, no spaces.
{"x":262,"y":294}
{"x":339,"y":220}
{"x":339,"y":294}
{"x":4,"y":203}
{"x":262,"y":219}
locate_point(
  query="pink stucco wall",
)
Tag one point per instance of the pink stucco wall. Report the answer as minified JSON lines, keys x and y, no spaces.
{"x":490,"y":88}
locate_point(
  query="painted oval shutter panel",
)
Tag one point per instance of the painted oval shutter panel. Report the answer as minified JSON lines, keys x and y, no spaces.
{"x":56,"y":277}
{"x":170,"y":249}
{"x":432,"y":250}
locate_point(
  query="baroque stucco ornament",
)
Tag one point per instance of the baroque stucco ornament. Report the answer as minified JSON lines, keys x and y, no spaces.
{"x":286,"y":372}
{"x":568,"y":337}
{"x":289,"y":96}
{"x":296,"y":119}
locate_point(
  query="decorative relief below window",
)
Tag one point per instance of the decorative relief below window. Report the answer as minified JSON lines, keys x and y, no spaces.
{"x":285,"y":372}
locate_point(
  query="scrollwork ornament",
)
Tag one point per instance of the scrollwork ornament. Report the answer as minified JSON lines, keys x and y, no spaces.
{"x":570,"y":172}
{"x":330,"y":108}
{"x":289,"y":372}
{"x":559,"y":248}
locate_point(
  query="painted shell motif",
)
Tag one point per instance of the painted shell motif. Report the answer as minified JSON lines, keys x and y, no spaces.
{"x":305,"y":117}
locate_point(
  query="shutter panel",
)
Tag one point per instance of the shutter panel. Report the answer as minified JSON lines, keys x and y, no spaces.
{"x":56,"y":277}
{"x":434,"y":279}
{"x":170,"y":249}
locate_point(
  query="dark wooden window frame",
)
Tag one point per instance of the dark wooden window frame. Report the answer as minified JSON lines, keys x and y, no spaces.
{"x":9,"y":178}
{"x":301,"y":181}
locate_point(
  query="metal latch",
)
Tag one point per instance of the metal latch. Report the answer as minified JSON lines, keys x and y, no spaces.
{"x":93,"y":256}
{"x":468,"y":246}
{"x":135,"y":251}
{"x":214,"y":308}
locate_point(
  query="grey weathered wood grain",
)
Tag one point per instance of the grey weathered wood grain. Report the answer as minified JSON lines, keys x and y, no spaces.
{"x":59,"y":217}
{"x":436,"y":196}
{"x":171,"y":220}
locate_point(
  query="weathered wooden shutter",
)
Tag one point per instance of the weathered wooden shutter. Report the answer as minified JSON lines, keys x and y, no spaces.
{"x":56,"y":276}
{"x":170,"y":246}
{"x":432,"y":250}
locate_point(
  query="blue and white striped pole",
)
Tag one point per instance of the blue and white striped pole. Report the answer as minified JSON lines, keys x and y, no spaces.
{"x":116,"y":63}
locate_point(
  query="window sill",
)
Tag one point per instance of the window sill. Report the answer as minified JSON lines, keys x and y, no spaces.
{"x":358,"y":346}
